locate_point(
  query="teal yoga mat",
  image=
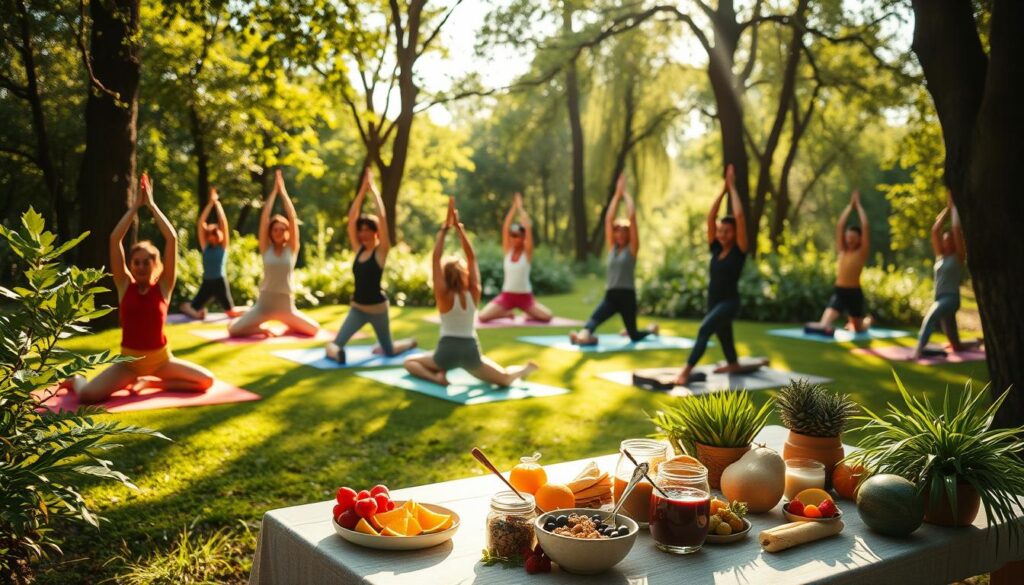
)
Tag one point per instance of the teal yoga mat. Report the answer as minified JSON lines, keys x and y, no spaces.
{"x":462,"y":388}
{"x":841,"y":335}
{"x":609,"y":342}
{"x":356,"y":356}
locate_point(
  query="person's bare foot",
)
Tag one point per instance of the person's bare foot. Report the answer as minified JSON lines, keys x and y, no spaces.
{"x":334,"y":352}
{"x":577,"y":338}
{"x":186,"y":308}
{"x":684,"y":377}
{"x":442,"y":378}
{"x":728,"y":368}
{"x":202,"y":314}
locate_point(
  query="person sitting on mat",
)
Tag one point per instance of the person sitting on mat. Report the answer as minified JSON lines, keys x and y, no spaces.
{"x":369,"y":237}
{"x":516,"y":293}
{"x":144,"y":288}
{"x":727,"y":239}
{"x":213,"y":241}
{"x":620,"y":291}
{"x":457,"y":293}
{"x":950,"y":255}
{"x":854,"y":245}
{"x":279,"y":246}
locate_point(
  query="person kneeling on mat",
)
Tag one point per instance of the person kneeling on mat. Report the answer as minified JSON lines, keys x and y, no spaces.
{"x":457,"y":293}
{"x":727,"y":239}
{"x":370,"y":239}
{"x":516,"y":292}
{"x":144,"y":286}
{"x":853,"y":244}
{"x":213,"y":241}
{"x":620,"y":292}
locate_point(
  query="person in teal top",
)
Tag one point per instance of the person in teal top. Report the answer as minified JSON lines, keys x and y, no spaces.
{"x":213,"y":239}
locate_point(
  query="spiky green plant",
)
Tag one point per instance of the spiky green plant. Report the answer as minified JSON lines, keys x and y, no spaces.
{"x":938,"y":447}
{"x":813,"y":410}
{"x":720,"y":419}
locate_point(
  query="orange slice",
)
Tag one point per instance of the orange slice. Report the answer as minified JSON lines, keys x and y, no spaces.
{"x":812,"y":497}
{"x":399,"y":527}
{"x":379,"y":521}
{"x":388,"y":532}
{"x":364,"y":527}
{"x":431,"y":521}
{"x":411,"y":506}
{"x":413,"y":527}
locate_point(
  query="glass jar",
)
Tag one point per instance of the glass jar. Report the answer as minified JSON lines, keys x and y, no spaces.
{"x":510,"y":524}
{"x":802,"y":474}
{"x":679,"y":522}
{"x":644,"y":451}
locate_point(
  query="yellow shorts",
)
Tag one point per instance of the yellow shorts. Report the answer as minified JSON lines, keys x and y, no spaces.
{"x":148,"y":361}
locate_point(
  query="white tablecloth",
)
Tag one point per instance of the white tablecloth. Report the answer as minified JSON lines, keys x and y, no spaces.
{"x":298,"y":546}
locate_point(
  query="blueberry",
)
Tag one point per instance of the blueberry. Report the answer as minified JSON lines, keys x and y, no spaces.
{"x":561,"y":521}
{"x":550,"y":525}
{"x":596,"y":518}
{"x":602,"y":526}
{"x":610,"y":532}
{"x":622,"y":531}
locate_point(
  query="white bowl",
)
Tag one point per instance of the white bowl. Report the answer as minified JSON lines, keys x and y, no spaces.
{"x":402,"y":542}
{"x":797,"y":518}
{"x":585,"y":556}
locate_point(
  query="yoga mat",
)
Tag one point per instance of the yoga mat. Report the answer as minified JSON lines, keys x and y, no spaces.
{"x":517,"y":321}
{"x":221,"y":335}
{"x":153,"y":398}
{"x":763,"y":379}
{"x":897,"y":353}
{"x":462,"y":388}
{"x":841,"y":335}
{"x":609,"y":342}
{"x":356,"y":356}
{"x":178,"y":318}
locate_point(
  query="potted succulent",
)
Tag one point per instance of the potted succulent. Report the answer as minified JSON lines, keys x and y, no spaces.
{"x":718,"y":427}
{"x":952,"y":455}
{"x":815,"y":417}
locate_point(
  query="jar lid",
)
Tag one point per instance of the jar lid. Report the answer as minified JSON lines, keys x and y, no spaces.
{"x":643,"y":447}
{"x":508,"y":502}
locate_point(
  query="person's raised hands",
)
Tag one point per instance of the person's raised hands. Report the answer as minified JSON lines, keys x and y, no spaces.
{"x":214,"y":198}
{"x":145,"y":198}
{"x":517,"y":200}
{"x":730,"y":177}
{"x":855,"y":198}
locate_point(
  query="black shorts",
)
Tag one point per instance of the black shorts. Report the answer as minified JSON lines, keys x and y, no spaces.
{"x":215,"y":288}
{"x":848,"y":300}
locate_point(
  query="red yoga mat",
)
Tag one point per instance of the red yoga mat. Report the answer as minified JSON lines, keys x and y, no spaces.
{"x":154,"y":398}
{"x":898,"y":353}
{"x":517,"y":321}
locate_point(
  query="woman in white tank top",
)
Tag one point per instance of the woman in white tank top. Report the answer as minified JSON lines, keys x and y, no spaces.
{"x":516,"y":292}
{"x":457,"y":293}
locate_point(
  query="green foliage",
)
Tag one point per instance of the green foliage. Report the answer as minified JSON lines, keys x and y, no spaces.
{"x":811,"y":409}
{"x":719,"y":419}
{"x":194,"y":558}
{"x":46,"y":456}
{"x":939,"y":446}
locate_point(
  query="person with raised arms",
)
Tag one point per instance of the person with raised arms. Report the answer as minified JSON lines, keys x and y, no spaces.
{"x":950,"y":256}
{"x":854,"y":246}
{"x":213,"y":241}
{"x":369,"y":237}
{"x":623,"y":243}
{"x":516,"y":291}
{"x":727,"y":242}
{"x":144,"y":285}
{"x":279,"y":247}
{"x":457,"y":293}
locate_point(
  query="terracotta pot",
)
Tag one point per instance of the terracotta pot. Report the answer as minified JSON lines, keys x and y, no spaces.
{"x":716,"y":459}
{"x":827,"y":450}
{"x":968,"y":502}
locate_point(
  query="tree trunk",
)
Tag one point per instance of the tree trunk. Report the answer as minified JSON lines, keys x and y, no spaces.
{"x":619,"y":167}
{"x":978,"y":102}
{"x":572,"y":96}
{"x":106,"y":180}
{"x":198,"y":131}
{"x":782,"y":198}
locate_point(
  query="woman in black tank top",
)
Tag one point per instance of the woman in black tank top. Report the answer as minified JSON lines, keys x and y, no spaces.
{"x":368,"y":235}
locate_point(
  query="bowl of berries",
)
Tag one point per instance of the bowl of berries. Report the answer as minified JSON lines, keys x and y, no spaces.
{"x":812,"y":505}
{"x":727,"y":522}
{"x":583,"y":541}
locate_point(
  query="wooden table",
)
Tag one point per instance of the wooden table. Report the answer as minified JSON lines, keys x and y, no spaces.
{"x":298,"y":546}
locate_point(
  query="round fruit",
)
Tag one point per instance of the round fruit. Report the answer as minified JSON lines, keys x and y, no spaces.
{"x":348,"y":519}
{"x":528,"y":475}
{"x":366,"y":507}
{"x":717,"y":505}
{"x":758,"y":478}
{"x":382,"y":502}
{"x":346,"y":496}
{"x":723,"y":529}
{"x":813,"y":496}
{"x":812,"y":511}
{"x":846,"y":478}
{"x":889,"y":504}
{"x":828,"y":509}
{"x":796,"y":507}
{"x":380,"y":489}
{"x":554,"y":496}
{"x":713,"y":523}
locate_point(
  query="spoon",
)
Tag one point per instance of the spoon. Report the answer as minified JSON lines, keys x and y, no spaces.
{"x":479,"y":455}
{"x":647,"y":477}
{"x":639,"y":473}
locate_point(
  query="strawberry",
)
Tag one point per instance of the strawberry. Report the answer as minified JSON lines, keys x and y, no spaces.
{"x":380,"y":489}
{"x":534,"y":564}
{"x":796,"y":507}
{"x":382,"y":501}
{"x":828,"y":509}
{"x":366,"y":507}
{"x":348,"y":519}
{"x":362,"y":495}
{"x":545,"y":564}
{"x":338,"y":509}
{"x":346,"y":497}
{"x":391,"y":506}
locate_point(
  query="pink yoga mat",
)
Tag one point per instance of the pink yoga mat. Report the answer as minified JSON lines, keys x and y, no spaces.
{"x":222,"y":336}
{"x":177,"y":318}
{"x":153,"y":398}
{"x":517,"y":321}
{"x":898,"y":353}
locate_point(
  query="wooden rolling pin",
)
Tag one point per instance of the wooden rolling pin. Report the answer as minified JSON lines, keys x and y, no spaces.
{"x":796,"y":533}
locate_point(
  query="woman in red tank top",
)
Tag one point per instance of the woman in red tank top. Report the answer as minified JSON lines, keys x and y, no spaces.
{"x":144,"y":287}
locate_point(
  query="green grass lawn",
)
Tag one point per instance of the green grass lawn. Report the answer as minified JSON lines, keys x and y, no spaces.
{"x":315,"y":430}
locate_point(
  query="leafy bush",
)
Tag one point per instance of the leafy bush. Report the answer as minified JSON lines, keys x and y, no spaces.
{"x":786,"y":286}
{"x":45,"y":455}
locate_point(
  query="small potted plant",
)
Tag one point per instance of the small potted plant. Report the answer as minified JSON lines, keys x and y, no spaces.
{"x":950,"y":452}
{"x":815,"y":417}
{"x":719,"y":427}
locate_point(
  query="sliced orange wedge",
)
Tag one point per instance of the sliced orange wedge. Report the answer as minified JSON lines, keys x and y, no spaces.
{"x":379,"y":521}
{"x":364,"y":527}
{"x":431,"y":521}
{"x":812,"y":497}
{"x":413,"y":527}
{"x":411,"y":506}
{"x":399,"y":527}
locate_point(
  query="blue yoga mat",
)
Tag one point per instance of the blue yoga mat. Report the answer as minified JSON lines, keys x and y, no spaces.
{"x":356,"y":356}
{"x":841,"y":335}
{"x":462,"y":388}
{"x":609,"y":342}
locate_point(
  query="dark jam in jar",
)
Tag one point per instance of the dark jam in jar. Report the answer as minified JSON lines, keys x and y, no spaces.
{"x":679,"y":523}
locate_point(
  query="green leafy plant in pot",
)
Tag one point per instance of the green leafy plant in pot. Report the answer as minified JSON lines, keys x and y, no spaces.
{"x":816,"y":418}
{"x":718,"y":428}
{"x":957,"y":461}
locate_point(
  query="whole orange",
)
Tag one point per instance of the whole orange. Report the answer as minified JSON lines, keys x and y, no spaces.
{"x":846,"y":479}
{"x":554,"y":496}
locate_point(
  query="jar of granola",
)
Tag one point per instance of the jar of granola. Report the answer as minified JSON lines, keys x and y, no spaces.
{"x":510,"y":524}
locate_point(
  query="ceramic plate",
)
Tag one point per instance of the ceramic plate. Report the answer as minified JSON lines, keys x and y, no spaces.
{"x":720,"y":539}
{"x":402,"y":542}
{"x":795,"y":518}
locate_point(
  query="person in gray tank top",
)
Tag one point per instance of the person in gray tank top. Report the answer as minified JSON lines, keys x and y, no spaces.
{"x":950,"y":254}
{"x":620,"y":292}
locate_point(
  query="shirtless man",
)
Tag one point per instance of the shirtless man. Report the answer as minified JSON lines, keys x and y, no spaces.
{"x":853,"y":243}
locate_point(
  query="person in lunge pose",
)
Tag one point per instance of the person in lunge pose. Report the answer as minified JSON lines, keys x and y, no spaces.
{"x":854,"y":245}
